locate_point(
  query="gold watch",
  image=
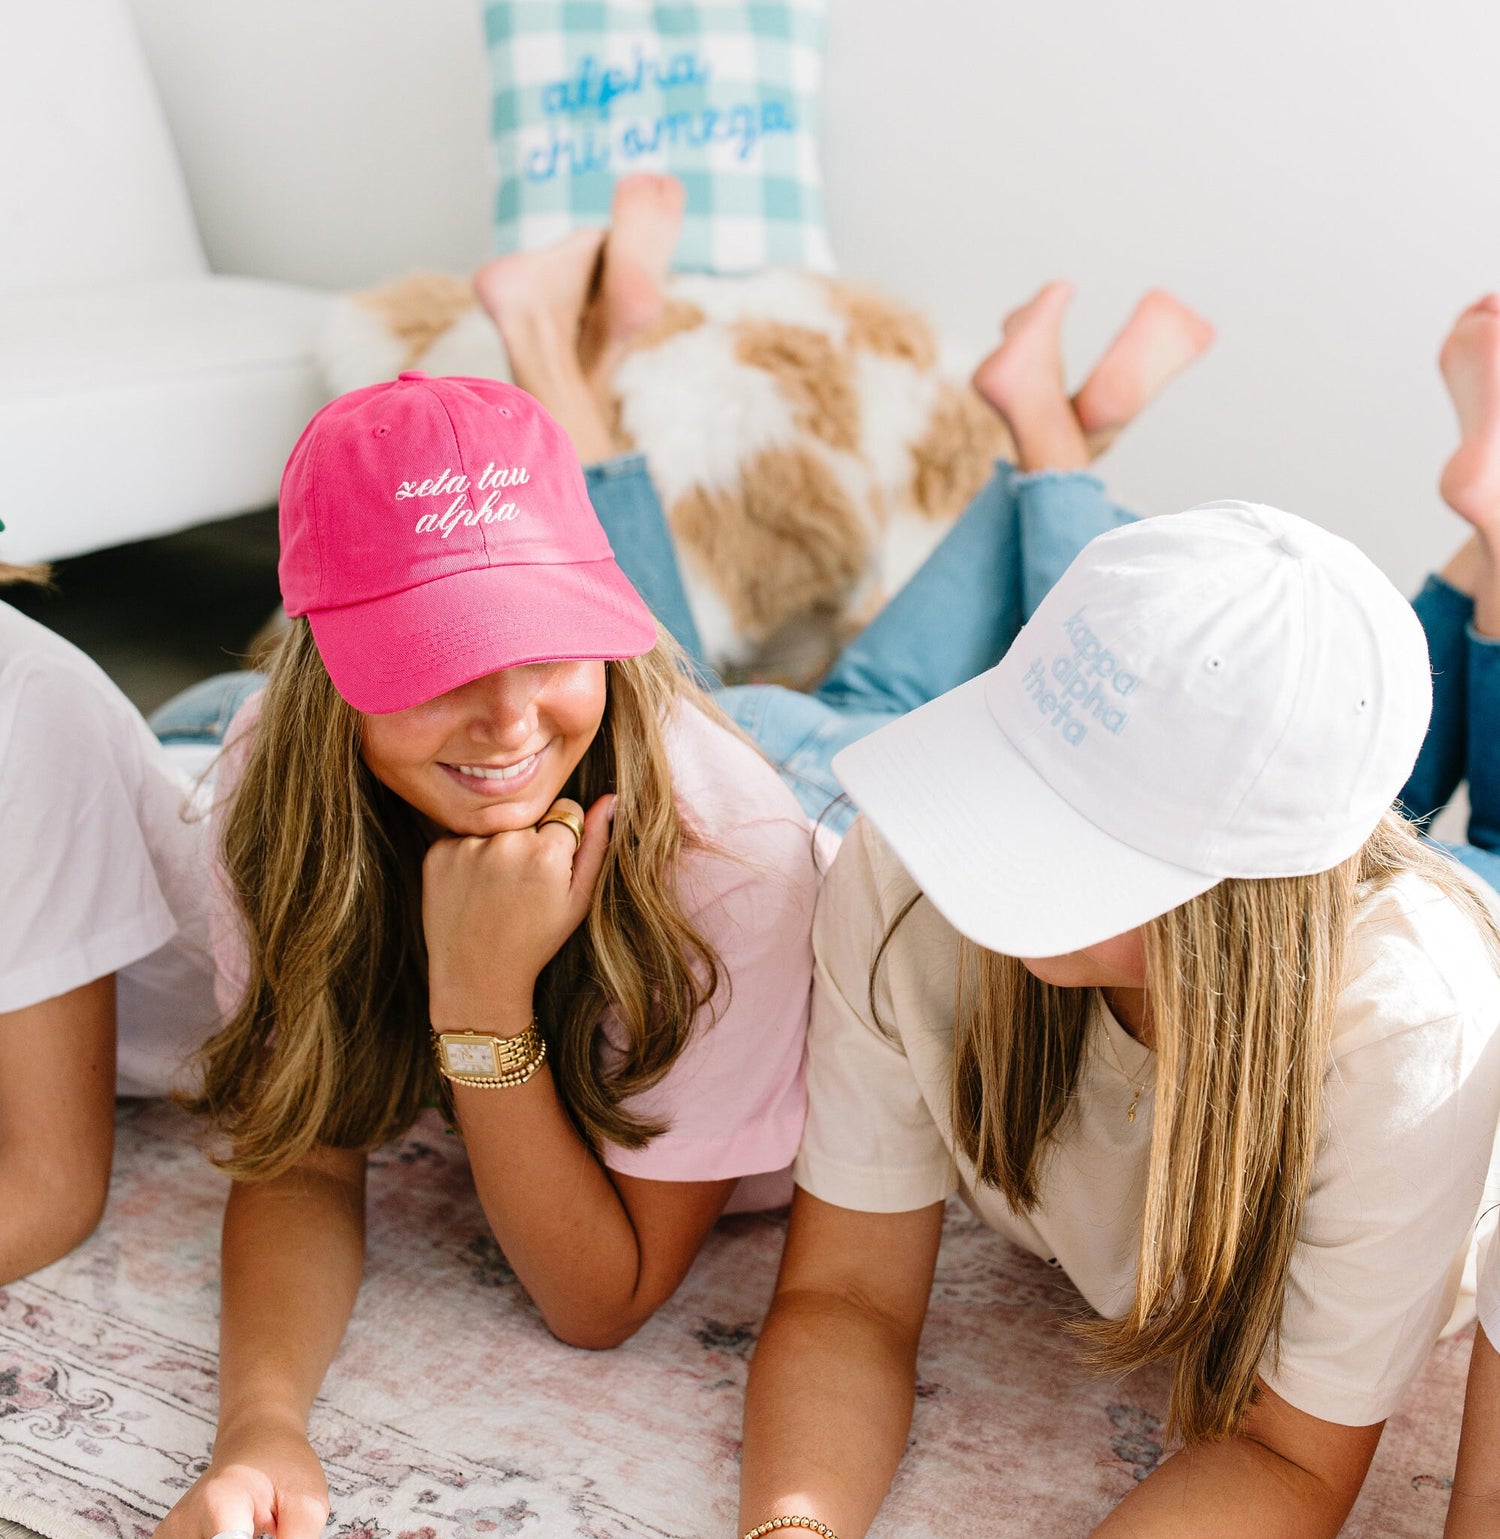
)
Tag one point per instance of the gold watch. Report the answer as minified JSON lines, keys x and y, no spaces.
{"x":488,"y":1062}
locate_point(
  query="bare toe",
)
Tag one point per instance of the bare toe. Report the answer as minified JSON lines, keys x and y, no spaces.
{"x":554,"y":283}
{"x":1031,"y":345}
{"x":1023,"y":380}
{"x":1161,"y":338}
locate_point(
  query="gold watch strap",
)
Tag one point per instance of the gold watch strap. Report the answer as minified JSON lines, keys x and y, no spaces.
{"x":488,"y":1062}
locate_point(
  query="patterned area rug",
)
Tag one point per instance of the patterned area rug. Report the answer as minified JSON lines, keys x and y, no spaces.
{"x":450,"y":1413}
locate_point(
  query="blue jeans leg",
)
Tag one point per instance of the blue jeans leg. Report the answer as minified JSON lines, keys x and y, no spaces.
{"x":627,"y":506}
{"x":800,"y":734}
{"x":955,"y":618}
{"x":1485,"y":864}
{"x":201,"y":713}
{"x":1484,"y":748}
{"x":1058,"y":513}
{"x":1463,"y":738}
{"x":964,"y":605}
{"x":1445,"y":614}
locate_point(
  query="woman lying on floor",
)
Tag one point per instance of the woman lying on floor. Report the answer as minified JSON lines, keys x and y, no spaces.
{"x":105,"y":980}
{"x":1129,"y":949}
{"x":481,"y":791}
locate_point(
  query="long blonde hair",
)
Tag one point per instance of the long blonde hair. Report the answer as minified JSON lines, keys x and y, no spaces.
{"x":1242,"y":986}
{"x":330,"y":1044}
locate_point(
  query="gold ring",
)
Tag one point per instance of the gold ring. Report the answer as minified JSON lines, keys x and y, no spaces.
{"x":569,"y":820}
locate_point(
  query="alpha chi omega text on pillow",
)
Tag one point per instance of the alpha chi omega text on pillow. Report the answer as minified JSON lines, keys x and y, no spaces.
{"x":724,"y":94}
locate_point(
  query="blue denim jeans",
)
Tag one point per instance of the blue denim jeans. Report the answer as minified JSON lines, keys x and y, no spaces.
{"x":1463,"y":739}
{"x":953,"y":619}
{"x":201,"y":713}
{"x":625,"y":499}
{"x":962,"y":609}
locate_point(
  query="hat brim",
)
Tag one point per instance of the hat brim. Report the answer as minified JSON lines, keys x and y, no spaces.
{"x":391,"y":653}
{"x":1002,"y":857}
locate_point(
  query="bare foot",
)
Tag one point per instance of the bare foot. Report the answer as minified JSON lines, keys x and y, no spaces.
{"x":1159,"y":340}
{"x":548,"y":289}
{"x":1470,"y":361}
{"x":1023,"y":380}
{"x":537,"y":301}
{"x":644,"y":223}
{"x":1470,"y":483}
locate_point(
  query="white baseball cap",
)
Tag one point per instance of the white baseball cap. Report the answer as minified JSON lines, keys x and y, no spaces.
{"x":1230,"y":691}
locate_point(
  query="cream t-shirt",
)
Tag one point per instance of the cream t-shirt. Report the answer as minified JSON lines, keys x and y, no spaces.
{"x":1412,"y":1102}
{"x":1489,"y":1291}
{"x":101,"y":868}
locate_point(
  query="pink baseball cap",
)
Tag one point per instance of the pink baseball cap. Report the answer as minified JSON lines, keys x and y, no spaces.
{"x":436,"y":530}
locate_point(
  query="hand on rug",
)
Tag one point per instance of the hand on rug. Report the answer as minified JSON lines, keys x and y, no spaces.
{"x":265,"y":1478}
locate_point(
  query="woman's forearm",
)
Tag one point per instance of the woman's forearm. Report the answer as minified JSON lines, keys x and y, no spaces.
{"x":43,"y":1218}
{"x":1232,"y":1491}
{"x":54,"y":1168}
{"x":1287,"y":1476}
{"x":555,"y":1213}
{"x":1474,"y":1510}
{"x":827,"y":1412}
{"x":830,"y":1396}
{"x":597,"y":1256}
{"x":293,"y":1255}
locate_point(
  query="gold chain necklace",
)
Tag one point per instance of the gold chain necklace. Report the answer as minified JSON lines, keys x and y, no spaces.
{"x":1136,"y":1086}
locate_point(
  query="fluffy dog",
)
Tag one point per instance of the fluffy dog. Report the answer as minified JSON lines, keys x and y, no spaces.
{"x":808,"y":445}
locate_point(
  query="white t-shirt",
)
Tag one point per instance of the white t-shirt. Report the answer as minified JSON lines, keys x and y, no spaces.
{"x":1412,"y":1102}
{"x":1489,"y":1291}
{"x":101,"y":871}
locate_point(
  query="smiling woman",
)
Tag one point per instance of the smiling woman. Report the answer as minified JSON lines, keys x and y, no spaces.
{"x":489,"y":756}
{"x":482,"y":841}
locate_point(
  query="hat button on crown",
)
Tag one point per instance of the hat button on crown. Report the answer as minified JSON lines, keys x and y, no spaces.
{"x":1290,"y":541}
{"x":412,"y":374}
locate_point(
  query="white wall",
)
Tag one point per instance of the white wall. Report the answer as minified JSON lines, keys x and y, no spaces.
{"x":1318,"y":176}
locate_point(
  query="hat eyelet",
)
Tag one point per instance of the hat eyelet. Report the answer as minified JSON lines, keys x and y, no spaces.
{"x":1212,"y":664}
{"x":1363,"y":703}
{"x":503,"y":410}
{"x":383,"y":431}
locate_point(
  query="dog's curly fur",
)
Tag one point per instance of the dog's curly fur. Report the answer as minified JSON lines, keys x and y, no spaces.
{"x":807,"y":445}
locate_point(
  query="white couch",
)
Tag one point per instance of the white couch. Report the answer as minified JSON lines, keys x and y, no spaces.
{"x":139,"y":392}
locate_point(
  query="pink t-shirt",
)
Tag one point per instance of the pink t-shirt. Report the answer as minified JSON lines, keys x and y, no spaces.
{"x":735,"y":1100}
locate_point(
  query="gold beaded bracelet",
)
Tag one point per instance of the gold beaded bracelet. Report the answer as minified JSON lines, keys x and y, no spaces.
{"x":811,"y":1524}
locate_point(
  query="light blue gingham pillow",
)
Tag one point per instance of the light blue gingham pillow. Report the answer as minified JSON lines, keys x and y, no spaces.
{"x":724,"y":94}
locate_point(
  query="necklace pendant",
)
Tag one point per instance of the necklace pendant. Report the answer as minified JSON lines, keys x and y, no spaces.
{"x":1134,"y":1101}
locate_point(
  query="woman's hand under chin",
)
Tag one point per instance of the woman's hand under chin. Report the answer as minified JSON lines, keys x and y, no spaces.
{"x":496,"y":910}
{"x":265,"y":1479}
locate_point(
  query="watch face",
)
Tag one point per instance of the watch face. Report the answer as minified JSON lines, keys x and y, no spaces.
{"x":462,"y":1057}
